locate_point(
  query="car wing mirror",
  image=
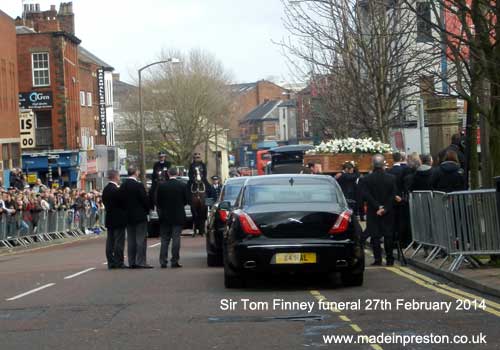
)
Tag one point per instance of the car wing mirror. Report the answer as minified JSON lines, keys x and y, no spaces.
{"x":225,"y":205}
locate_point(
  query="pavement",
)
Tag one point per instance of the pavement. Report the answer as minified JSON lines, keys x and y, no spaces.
{"x":485,"y":278}
{"x":64,"y":297}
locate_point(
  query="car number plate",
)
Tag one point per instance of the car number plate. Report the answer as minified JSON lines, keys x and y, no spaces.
{"x":295,"y":258}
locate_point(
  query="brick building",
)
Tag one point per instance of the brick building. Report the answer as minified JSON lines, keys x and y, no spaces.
{"x":246,"y":97}
{"x":47,"y":52}
{"x":10,"y":154}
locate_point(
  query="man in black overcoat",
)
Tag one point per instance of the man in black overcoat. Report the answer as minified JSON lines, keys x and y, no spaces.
{"x":379,"y":190}
{"x":137,"y":209}
{"x":170,"y":201}
{"x":115,"y":222}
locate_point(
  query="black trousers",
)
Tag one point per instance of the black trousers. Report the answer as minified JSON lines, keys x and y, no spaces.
{"x":137,"y":243}
{"x":170,"y":233}
{"x":378,"y":227}
{"x":115,"y":244}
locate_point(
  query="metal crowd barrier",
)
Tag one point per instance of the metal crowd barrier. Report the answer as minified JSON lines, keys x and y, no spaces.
{"x":44,"y":226}
{"x":461,"y":224}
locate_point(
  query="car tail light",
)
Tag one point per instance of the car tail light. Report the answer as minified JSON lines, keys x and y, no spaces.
{"x":342,"y":223}
{"x":248,"y":225}
{"x":223,"y":215}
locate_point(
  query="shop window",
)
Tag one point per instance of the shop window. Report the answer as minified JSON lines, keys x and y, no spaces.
{"x":5,"y":152}
{"x":43,"y":130}
{"x":16,"y":155}
{"x":41,"y":70}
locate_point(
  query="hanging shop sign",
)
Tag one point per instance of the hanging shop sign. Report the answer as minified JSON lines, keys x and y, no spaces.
{"x":35,"y":100}
{"x":101,"y":92}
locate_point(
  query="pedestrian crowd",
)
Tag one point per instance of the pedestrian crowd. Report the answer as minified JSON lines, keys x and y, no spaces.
{"x":22,"y":205}
{"x":386,"y":192}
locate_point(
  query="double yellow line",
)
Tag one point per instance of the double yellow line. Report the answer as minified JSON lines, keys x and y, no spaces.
{"x":344,"y":318}
{"x":441,"y":288}
{"x":426,"y":282}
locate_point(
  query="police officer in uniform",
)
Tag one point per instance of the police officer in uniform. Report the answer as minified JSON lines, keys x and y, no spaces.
{"x":160,"y":167}
{"x":198,"y":163}
{"x":215,"y":188}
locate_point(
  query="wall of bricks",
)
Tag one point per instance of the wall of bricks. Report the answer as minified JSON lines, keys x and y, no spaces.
{"x":247,"y":101}
{"x":64,"y":82}
{"x":9,"y":110}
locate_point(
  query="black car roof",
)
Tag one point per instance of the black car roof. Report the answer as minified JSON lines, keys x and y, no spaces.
{"x":265,"y":179}
{"x":291,"y":148}
{"x":237,"y":179}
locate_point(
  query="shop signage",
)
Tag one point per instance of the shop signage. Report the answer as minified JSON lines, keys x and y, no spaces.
{"x":27,"y":129}
{"x":101,"y":92}
{"x":32,"y":178}
{"x":35,"y":100}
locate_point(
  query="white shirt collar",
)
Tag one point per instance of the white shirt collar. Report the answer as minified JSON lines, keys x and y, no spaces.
{"x":114,"y":183}
{"x":133,"y":178}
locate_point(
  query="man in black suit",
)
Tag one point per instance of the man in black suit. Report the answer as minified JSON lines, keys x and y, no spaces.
{"x":116,"y":221}
{"x":380,"y":192}
{"x":137,"y":209}
{"x":171,"y":199}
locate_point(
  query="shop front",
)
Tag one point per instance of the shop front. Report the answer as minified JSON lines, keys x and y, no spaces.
{"x":53,"y":168}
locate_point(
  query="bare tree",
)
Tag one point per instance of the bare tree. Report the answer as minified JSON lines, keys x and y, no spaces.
{"x":466,"y":34}
{"x":184,"y":103}
{"x":367,"y":49}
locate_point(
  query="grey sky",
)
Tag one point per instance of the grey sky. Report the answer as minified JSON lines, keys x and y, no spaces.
{"x":128,"y":34}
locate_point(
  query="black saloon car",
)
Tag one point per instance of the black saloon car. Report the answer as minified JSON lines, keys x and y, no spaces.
{"x":291,"y":223}
{"x":218,"y":217}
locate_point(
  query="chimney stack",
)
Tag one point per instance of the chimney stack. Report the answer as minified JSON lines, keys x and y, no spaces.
{"x":66,"y":17}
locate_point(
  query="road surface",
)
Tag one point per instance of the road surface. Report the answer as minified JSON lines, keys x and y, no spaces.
{"x":64,"y":297}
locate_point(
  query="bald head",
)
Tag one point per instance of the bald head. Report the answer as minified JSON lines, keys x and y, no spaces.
{"x":378,"y":161}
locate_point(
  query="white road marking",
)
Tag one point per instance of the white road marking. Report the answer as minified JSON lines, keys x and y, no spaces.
{"x":31,"y":292}
{"x":155,"y":245}
{"x":79,"y":273}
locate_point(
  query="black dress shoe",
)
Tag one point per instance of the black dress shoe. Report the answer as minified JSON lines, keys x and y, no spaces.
{"x":144,"y":267}
{"x":176,"y":265}
{"x":122,"y":266}
{"x":376,"y":263}
{"x":133,"y":267}
{"x":112,"y":267}
{"x":163,"y":266}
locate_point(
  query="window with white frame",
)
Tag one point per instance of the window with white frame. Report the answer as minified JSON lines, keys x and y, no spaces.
{"x":82,"y":98}
{"x":89,"y":99}
{"x":40,"y":68}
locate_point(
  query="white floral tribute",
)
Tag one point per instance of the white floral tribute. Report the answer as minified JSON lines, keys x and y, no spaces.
{"x":351,"y":145}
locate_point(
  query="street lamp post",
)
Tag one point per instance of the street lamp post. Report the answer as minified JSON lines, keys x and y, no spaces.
{"x":141,"y":113}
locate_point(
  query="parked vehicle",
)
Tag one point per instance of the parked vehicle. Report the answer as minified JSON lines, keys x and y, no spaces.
{"x":154,"y":223}
{"x":263,"y":157}
{"x":291,"y":223}
{"x":287,"y":159}
{"x":217,"y":219}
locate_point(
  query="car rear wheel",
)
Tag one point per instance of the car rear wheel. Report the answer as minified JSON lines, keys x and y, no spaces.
{"x":231,"y":278}
{"x":352,"y":279}
{"x":214,"y":260}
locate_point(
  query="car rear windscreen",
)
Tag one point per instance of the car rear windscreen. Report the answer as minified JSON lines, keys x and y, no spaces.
{"x":232,"y":191}
{"x":320,"y":192}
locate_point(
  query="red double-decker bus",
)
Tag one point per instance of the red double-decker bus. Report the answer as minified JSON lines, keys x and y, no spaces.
{"x":263,"y":157}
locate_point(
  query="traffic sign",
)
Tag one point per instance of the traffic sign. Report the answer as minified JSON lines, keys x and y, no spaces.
{"x":27,"y":129}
